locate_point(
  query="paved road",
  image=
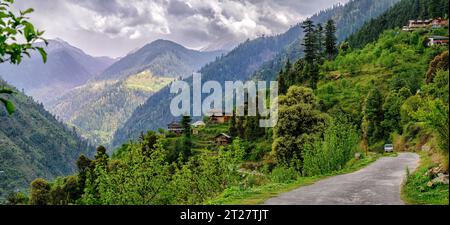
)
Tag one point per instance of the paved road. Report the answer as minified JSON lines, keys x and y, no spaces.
{"x":377,"y":184}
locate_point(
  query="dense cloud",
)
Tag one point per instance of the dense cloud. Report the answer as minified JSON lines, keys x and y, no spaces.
{"x":115,"y":27}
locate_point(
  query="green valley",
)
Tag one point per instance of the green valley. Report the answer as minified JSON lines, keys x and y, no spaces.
{"x":99,"y":108}
{"x":361,"y":119}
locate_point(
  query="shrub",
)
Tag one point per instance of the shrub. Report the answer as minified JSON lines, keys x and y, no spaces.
{"x":40,"y":192}
{"x":283,"y":174}
{"x":333,"y":152}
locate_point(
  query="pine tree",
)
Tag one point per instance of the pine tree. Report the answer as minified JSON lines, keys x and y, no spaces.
{"x":435,"y":8}
{"x":330,"y":40}
{"x":373,"y":114}
{"x":424,"y":12}
{"x":288,"y":75}
{"x":233,"y":129}
{"x":311,"y":70}
{"x":186,"y":125}
{"x":309,"y":41}
{"x":187,"y":141}
{"x":320,"y":40}
{"x":101,"y":158}
{"x":282,"y":87}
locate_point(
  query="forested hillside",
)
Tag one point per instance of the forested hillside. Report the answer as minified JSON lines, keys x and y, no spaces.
{"x":398,"y":16}
{"x":97,"y":109}
{"x":247,"y":58}
{"x":348,"y":19}
{"x":34,"y":144}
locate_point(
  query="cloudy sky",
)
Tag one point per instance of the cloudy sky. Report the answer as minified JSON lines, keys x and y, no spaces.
{"x":116,"y":27}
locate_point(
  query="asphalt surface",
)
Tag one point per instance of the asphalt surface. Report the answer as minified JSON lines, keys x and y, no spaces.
{"x":377,"y":184}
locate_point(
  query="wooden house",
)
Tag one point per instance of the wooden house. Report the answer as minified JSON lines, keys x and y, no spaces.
{"x":439,"y":23}
{"x":175,"y":128}
{"x":197,"y":126}
{"x":218,"y":117}
{"x":431,"y":23}
{"x":223,"y":139}
{"x":415,"y":24}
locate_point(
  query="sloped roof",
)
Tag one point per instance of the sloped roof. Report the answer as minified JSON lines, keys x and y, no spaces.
{"x":225,"y":135}
{"x":198,"y":123}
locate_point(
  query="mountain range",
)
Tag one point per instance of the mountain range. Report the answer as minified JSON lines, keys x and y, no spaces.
{"x":67,"y":67}
{"x":163,"y":58}
{"x":101,"y":105}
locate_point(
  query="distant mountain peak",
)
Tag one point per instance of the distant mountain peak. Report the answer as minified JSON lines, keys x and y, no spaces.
{"x":162,"y":57}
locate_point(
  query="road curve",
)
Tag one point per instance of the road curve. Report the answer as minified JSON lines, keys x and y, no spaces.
{"x":377,"y":184}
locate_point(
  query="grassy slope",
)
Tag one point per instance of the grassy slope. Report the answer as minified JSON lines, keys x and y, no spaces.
{"x":415,"y":190}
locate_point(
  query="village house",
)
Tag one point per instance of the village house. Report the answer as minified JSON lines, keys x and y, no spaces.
{"x":437,"y":40}
{"x":439,"y":23}
{"x":196,"y":127}
{"x":431,"y":23}
{"x":175,"y":128}
{"x":199,"y":124}
{"x":218,"y":117}
{"x":223,"y":139}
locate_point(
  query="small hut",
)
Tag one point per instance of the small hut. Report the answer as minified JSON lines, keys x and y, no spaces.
{"x":175,"y":128}
{"x":223,"y":139}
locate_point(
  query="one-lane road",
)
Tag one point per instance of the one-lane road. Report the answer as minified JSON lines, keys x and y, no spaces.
{"x":377,"y":184}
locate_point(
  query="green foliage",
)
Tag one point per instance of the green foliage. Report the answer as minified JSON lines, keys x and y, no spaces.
{"x":15,"y":27}
{"x":391,"y":109}
{"x":416,"y":189}
{"x":338,"y":146}
{"x":137,"y":179}
{"x":438,"y":63}
{"x":373,"y":116}
{"x":40,"y":192}
{"x":330,"y":40}
{"x":17,"y":198}
{"x":284,"y":174}
{"x":206,"y":176}
{"x":299,"y":120}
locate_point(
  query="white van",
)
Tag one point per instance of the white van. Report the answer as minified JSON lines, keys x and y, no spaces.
{"x":388,"y":148}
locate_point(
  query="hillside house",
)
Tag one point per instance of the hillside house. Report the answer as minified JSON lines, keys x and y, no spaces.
{"x":198,"y":124}
{"x":439,"y":23}
{"x":175,"y":128}
{"x":431,"y":23}
{"x":196,"y":127}
{"x":415,"y":24}
{"x":437,"y":40}
{"x":222,"y":139}
{"x":218,"y":117}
